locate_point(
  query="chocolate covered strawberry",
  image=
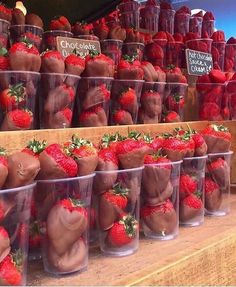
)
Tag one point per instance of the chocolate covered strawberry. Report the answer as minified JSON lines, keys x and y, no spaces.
{"x":190,"y":208}
{"x":111,"y":204}
{"x":174,"y":148}
{"x":134,"y":36}
{"x":151,"y":103}
{"x":217,"y":137}
{"x":84,"y":153}
{"x":4,"y":59}
{"x":111,"y":140}
{"x":161,"y":219}
{"x":55,"y":163}
{"x":5,"y":12}
{"x":33,"y":19}
{"x":220,"y":171}
{"x":117,"y":33}
{"x":123,"y":232}
{"x":200,"y":144}
{"x":95,"y":96}
{"x":4,"y":244}
{"x":13,"y":97}
{"x":52,"y":62}
{"x":17,"y":120}
{"x":101,"y":30}
{"x":154,"y":54}
{"x":61,"y":119}
{"x":150,"y":74}
{"x":98,"y":65}
{"x":23,"y":56}
{"x":130,"y":69}
{"x":174,"y":75}
{"x":213,"y":196}
{"x":35,"y":147}
{"x":66,"y":222}
{"x":11,"y":270}
{"x":74,"y":64}
{"x":18,"y":17}
{"x":3,"y":167}
{"x":187,"y":185}
{"x":122,"y":117}
{"x":93,"y":117}
{"x":82,"y":28}
{"x":128,"y":101}
{"x":60,"y":23}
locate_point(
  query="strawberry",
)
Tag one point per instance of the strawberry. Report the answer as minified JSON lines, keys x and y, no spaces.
{"x":182,"y":17}
{"x":208,"y":24}
{"x":35,"y":147}
{"x":187,"y":185}
{"x":33,"y":19}
{"x":154,"y":54}
{"x":17,"y":120}
{"x":34,"y":235}
{"x":210,"y":111}
{"x":101,"y":31}
{"x":5,"y":12}
{"x":96,"y":95}
{"x":111,"y":141}
{"x":200,"y":144}
{"x":4,"y":59}
{"x":151,"y":102}
{"x":160,"y":219}
{"x":85,"y":155}
{"x":55,"y":163}
{"x":213,"y":196}
{"x":13,"y":97}
{"x":183,"y":10}
{"x":4,"y":243}
{"x":195,"y":25}
{"x":61,"y":119}
{"x":10,"y":269}
{"x":130,"y":69}
{"x":174,"y":148}
{"x":18,"y":17}
{"x":93,"y":117}
{"x":74,"y":64}
{"x":134,"y":36}
{"x":178,"y":37}
{"x":3,"y":169}
{"x":117,"y":33}
{"x":172,"y":117}
{"x":82,"y":28}
{"x":111,"y":204}
{"x":123,"y":232}
{"x":23,"y":56}
{"x":217,"y":137}
{"x":60,"y":23}
{"x":154,"y":143}
{"x":173,"y":74}
{"x":175,"y":102}
{"x":217,"y":76}
{"x":128,"y":100}
{"x":218,"y":36}
{"x":190,"y":208}
{"x":52,"y":62}
{"x":122,"y":117}
{"x":220,"y":171}
{"x":150,"y":74}
{"x":208,"y":16}
{"x":98,"y":65}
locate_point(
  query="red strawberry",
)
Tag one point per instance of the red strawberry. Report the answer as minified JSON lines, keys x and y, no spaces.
{"x":190,"y":208}
{"x":4,"y":59}
{"x":35,"y":147}
{"x":172,"y":117}
{"x":165,"y":5}
{"x":122,"y":117}
{"x":34,"y":235}
{"x":123,"y":232}
{"x":17,"y":120}
{"x":208,"y":16}
{"x":183,"y":10}
{"x":111,"y":205}
{"x":10,"y":270}
{"x":33,"y":39}
{"x":61,"y":119}
{"x":217,"y":76}
{"x":5,"y":12}
{"x":128,"y":100}
{"x":130,"y":69}
{"x":220,"y":171}
{"x":74,"y":64}
{"x":156,"y":143}
{"x":154,"y":54}
{"x":24,"y":56}
{"x":94,"y":117}
{"x":13,"y":97}
{"x":178,"y":37}
{"x":56,"y":164}
{"x":174,"y":148}
{"x":217,"y":137}
{"x":187,"y":185}
{"x":101,"y":31}
{"x":213,"y":196}
{"x":203,"y":83}
{"x":200,"y":145}
{"x":218,"y":36}
{"x":82,"y":28}
{"x":3,"y":170}
{"x":161,"y":219}
{"x":134,"y":36}
{"x":210,"y":111}
{"x":4,"y":244}
{"x":175,"y":102}
{"x":52,"y":62}
{"x":60,"y":23}
{"x":173,"y":74}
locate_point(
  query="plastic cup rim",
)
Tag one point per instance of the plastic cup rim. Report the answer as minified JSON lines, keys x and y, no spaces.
{"x":165,"y":163}
{"x":231,"y":44}
{"x":26,"y":25}
{"x":172,"y":10}
{"x":3,"y":20}
{"x":220,"y":153}
{"x":20,"y":72}
{"x":197,"y":17}
{"x":126,"y":80}
{"x":66,"y":179}
{"x":97,"y":78}
{"x":196,"y":157}
{"x":16,"y":189}
{"x":111,"y":40}
{"x":175,"y":83}
{"x":218,"y":84}
{"x":59,"y":74}
{"x":60,"y":31}
{"x":199,"y":39}
{"x":156,"y":83}
{"x":134,"y":43}
{"x":77,"y":37}
{"x":219,"y":42}
{"x":120,"y":170}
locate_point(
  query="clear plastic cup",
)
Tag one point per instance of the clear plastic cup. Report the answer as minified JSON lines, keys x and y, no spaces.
{"x":112,"y":48}
{"x":93,"y":226}
{"x":160,"y":196}
{"x":231,"y":92}
{"x":182,"y":23}
{"x":15,"y":216}
{"x":50,"y":38}
{"x":220,"y":47}
{"x":63,"y":210}
{"x":92,"y":105}
{"x":150,"y":18}
{"x":18,"y":106}
{"x":57,"y":98}
{"x":4,"y":33}
{"x":129,"y":19}
{"x":163,"y":44}
{"x":121,"y":112}
{"x":201,"y":45}
{"x":87,"y":37}
{"x":175,"y":54}
{"x":191,"y":212}
{"x":195,"y":25}
{"x":210,"y":101}
{"x":175,"y":97}
{"x":151,"y":106}
{"x":166,"y":20}
{"x":31,"y":33}
{"x":121,"y":217}
{"x":128,"y":6}
{"x":230,"y":58}
{"x":217,"y":199}
{"x":208,"y":26}
{"x":131,"y":49}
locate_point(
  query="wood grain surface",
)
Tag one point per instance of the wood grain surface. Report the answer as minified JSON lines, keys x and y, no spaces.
{"x":203,"y":255}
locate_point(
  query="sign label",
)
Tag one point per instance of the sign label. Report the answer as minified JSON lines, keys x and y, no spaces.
{"x":198,"y":63}
{"x":66,"y":46}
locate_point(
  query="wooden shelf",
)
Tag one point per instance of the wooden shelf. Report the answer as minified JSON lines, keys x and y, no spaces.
{"x":203,"y":255}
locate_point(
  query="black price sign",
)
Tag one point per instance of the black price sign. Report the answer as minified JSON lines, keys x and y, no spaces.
{"x":198,"y":63}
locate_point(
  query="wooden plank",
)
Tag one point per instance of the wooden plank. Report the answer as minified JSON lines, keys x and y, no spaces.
{"x":203,"y":255}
